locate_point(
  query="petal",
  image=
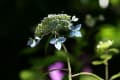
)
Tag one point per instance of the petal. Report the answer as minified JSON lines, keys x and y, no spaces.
{"x":56,"y":65}
{"x":78,"y":34}
{"x":75,"y":34}
{"x":37,"y":38}
{"x":103,"y":3}
{"x":71,"y":27}
{"x":74,"y":19}
{"x":37,"y":42}
{"x":56,"y":74}
{"x":61,"y":39}
{"x":72,"y":34}
{"x":76,"y":28}
{"x":58,"y":45}
{"x":31,"y":43}
{"x":53,"y":41}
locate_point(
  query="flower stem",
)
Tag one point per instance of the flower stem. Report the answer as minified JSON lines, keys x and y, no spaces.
{"x":106,"y":70}
{"x":68,"y":60}
{"x":69,"y":69}
{"x":68,"y":63}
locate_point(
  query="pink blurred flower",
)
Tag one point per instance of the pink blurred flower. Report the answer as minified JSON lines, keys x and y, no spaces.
{"x":56,"y":74}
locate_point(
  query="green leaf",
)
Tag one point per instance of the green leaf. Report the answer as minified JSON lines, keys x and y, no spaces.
{"x":106,"y":57}
{"x":113,"y":51}
{"x":97,"y":62}
{"x":88,"y":76}
{"x":108,"y":32}
{"x":115,"y":76}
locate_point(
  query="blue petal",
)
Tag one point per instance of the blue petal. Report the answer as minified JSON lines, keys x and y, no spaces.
{"x":76,"y":28}
{"x":61,"y":39}
{"x":53,"y":41}
{"x":37,"y":38}
{"x":78,"y":34}
{"x":37,"y":42}
{"x":75,"y":34}
{"x":58,"y":45}
{"x":31,"y":43}
{"x":72,"y":34}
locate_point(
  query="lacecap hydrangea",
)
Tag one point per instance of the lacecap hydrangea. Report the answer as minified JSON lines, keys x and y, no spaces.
{"x":52,"y":24}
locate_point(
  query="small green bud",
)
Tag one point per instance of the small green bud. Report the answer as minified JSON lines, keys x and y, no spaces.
{"x":104,"y":45}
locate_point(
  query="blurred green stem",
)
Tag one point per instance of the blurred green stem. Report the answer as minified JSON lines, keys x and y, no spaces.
{"x":68,"y":63}
{"x":68,"y":59}
{"x":106,"y":70}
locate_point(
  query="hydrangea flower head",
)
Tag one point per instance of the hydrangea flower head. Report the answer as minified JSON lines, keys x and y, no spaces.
{"x":53,"y":23}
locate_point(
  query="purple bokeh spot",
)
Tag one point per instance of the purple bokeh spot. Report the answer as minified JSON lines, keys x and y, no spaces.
{"x":56,"y":74}
{"x":87,"y":69}
{"x":85,"y":58}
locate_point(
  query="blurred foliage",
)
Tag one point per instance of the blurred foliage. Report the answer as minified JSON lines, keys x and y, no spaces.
{"x":29,"y":75}
{"x":108,"y":32}
{"x":115,"y":2}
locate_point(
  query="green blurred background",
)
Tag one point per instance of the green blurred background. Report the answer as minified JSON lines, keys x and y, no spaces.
{"x":19,"y":18}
